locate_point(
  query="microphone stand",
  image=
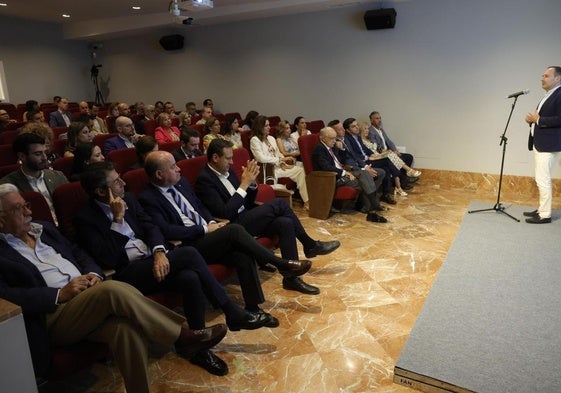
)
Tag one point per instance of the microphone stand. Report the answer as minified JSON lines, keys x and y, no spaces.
{"x":499,"y":206}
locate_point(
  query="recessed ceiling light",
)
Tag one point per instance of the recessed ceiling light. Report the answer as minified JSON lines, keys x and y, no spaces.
{"x":135,"y":7}
{"x":65,"y":16}
{"x":3,"y":5}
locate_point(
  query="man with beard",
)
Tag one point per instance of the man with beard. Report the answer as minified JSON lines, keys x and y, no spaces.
{"x":34,"y":175}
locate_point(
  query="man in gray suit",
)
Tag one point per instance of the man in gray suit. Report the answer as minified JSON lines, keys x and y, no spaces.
{"x":34,"y":175}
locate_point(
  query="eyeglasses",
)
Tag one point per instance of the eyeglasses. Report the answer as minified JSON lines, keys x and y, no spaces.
{"x":19,"y":208}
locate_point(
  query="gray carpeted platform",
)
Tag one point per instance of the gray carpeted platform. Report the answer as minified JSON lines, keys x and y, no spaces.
{"x":492,"y":321}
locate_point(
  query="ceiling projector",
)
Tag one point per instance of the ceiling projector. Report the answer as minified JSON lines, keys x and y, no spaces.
{"x":196,"y":5}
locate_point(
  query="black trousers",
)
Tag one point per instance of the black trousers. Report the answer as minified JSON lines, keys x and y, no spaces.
{"x":233,"y":246}
{"x":189,"y":275}
{"x":276,"y":218}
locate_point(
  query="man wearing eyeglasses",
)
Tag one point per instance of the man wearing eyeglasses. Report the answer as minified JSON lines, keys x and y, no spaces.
{"x":65,"y":299}
{"x":127,"y":136}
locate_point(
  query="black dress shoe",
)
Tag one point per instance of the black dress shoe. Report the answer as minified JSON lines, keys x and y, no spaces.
{"x":375,"y":217}
{"x":267,"y":268}
{"x":531,"y":214}
{"x":297,"y":284}
{"x":537,"y":220}
{"x":406,"y":186}
{"x":378,"y":208}
{"x":252,"y":321}
{"x":210,"y":362}
{"x":412,"y":179}
{"x":322,"y":248}
{"x":388,"y":199}
{"x":191,"y":341}
{"x":290,"y":268}
{"x":273,"y":322}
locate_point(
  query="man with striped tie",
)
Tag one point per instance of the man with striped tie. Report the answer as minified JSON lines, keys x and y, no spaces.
{"x":181,"y":216}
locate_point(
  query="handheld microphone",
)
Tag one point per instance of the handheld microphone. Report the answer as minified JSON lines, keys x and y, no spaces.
{"x":518,"y":93}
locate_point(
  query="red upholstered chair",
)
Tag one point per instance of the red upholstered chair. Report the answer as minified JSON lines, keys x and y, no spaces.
{"x":58,"y":131}
{"x":136,"y":180}
{"x":274,"y":121}
{"x":316,"y":125}
{"x":150,"y":127}
{"x":7,"y":155}
{"x":170,"y":146}
{"x":110,"y":122}
{"x":99,"y":139}
{"x":39,"y":206}
{"x":191,"y":168}
{"x":7,"y":169}
{"x":123,"y":159}
{"x":65,"y":165}
{"x":7,"y":137}
{"x":321,"y":184}
{"x":58,"y":146}
{"x":68,"y":199}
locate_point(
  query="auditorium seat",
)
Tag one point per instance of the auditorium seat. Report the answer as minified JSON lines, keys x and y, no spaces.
{"x":235,"y":115}
{"x":150,"y":127}
{"x":7,"y":155}
{"x":136,"y":180}
{"x":58,"y":131}
{"x":99,"y":139}
{"x":170,"y":146}
{"x":58,"y":146}
{"x":65,"y":165}
{"x":315,"y":126}
{"x":39,"y":206}
{"x":321,"y":184}
{"x":7,"y":137}
{"x":274,"y":121}
{"x":123,"y":159}
{"x":68,"y":199}
{"x":7,"y":169}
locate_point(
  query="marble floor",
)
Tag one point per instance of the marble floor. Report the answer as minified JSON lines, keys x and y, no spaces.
{"x":348,"y":338}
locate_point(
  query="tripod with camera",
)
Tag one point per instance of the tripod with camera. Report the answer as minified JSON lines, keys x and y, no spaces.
{"x":94,"y":74}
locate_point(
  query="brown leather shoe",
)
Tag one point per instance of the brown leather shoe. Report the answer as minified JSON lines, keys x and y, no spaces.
{"x":191,"y":341}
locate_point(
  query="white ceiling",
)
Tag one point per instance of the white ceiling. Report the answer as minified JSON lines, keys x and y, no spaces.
{"x":94,"y":19}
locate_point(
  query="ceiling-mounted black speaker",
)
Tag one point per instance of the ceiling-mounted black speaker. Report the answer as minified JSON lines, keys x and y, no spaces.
{"x":380,"y":19}
{"x":172,"y":42}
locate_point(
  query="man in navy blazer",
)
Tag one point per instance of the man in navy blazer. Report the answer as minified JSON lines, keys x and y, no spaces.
{"x":127,"y":136}
{"x":545,"y":140}
{"x":181,"y":216}
{"x":61,"y":117}
{"x":65,"y":300}
{"x":225,"y":196}
{"x":327,"y":157}
{"x":358,"y":156}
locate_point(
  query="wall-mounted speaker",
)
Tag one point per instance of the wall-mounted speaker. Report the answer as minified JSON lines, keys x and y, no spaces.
{"x":172,"y":42}
{"x":380,"y":19}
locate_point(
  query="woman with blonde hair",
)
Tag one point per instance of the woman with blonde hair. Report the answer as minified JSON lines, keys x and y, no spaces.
{"x":265,"y":150}
{"x":395,"y":163}
{"x":165,"y":132}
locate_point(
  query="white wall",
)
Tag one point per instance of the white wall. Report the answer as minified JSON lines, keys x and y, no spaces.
{"x":39,"y":64}
{"x":439,"y":78}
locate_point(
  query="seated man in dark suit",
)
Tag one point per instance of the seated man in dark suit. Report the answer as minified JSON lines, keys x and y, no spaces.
{"x":181,"y":216}
{"x":327,"y":157}
{"x":61,"y":117}
{"x":65,"y":299}
{"x":358,"y":157}
{"x":127,"y":136}
{"x":190,"y":140}
{"x":120,"y":235}
{"x":34,"y":173}
{"x":225,"y":196}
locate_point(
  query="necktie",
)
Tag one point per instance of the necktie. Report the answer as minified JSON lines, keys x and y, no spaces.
{"x":337,"y":163}
{"x":190,"y":213}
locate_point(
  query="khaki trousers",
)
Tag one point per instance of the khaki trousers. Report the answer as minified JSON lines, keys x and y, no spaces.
{"x":117,"y":314}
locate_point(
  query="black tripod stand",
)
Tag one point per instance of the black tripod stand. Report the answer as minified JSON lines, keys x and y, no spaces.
{"x":98,"y":96}
{"x":499,"y":206}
